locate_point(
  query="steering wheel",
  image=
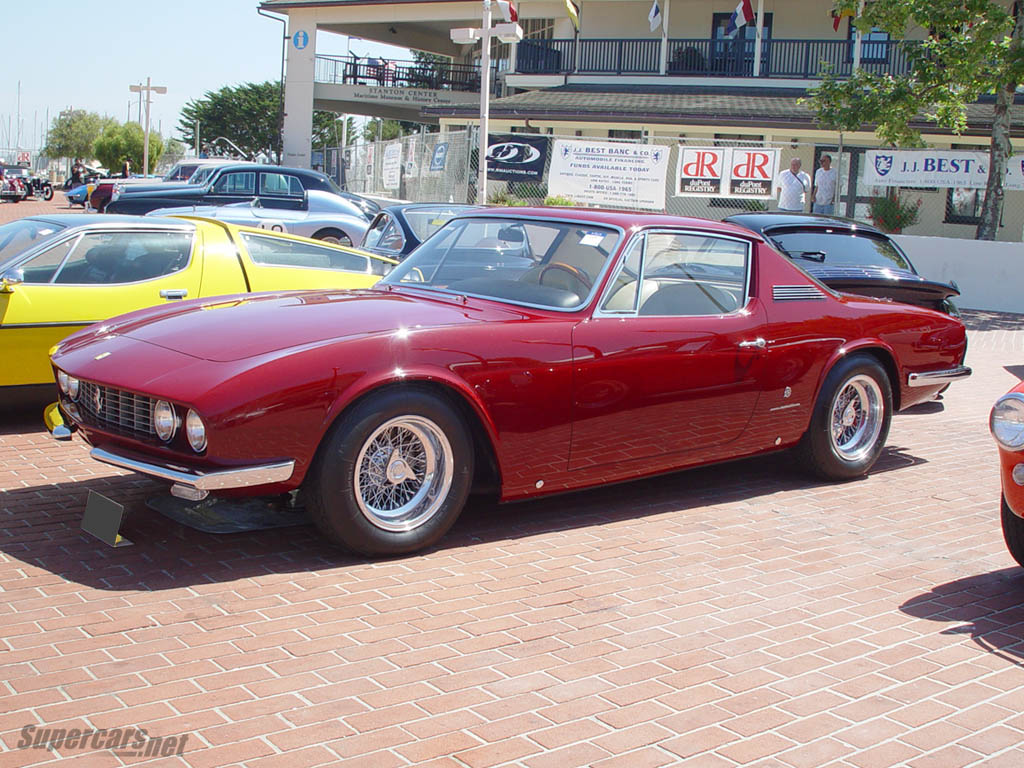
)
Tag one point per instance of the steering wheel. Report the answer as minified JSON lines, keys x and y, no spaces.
{"x":576,"y":272}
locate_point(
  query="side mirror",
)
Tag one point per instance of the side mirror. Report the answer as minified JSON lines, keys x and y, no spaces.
{"x":10,"y":279}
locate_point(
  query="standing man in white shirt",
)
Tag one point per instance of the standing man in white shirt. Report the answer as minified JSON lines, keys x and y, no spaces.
{"x":792,"y":187}
{"x":824,"y":192}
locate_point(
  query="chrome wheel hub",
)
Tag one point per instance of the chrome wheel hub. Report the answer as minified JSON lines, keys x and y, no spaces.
{"x":403,"y":473}
{"x":857,"y":414}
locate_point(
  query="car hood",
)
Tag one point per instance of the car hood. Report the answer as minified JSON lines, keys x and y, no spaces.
{"x":231,"y":328}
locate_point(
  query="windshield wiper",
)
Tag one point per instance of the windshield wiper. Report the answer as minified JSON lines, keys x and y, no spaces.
{"x":818,"y":256}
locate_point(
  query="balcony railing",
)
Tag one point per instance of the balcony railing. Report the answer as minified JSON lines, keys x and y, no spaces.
{"x":793,"y":59}
{"x":353,"y":70}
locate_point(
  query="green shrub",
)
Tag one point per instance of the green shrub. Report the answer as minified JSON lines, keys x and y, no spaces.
{"x":503,"y":198}
{"x":893,"y":213}
{"x":559,"y":201}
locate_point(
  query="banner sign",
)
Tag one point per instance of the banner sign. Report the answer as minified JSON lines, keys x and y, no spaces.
{"x":604,"y":173}
{"x":391,"y":165}
{"x":726,"y":172}
{"x":516,"y":157}
{"x":369,"y":161}
{"x":411,"y":166}
{"x":936,"y":168}
{"x":439,"y":157}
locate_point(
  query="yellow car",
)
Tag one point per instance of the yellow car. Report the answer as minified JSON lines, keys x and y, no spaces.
{"x":60,"y":273}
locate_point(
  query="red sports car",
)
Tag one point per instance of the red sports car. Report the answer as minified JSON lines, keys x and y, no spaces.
{"x":530,"y":351}
{"x":1007,"y":425}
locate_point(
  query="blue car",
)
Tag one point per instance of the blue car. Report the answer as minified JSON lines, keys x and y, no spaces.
{"x":77,"y":195}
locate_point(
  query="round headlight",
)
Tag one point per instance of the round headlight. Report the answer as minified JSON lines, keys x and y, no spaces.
{"x":196,"y":431}
{"x":1007,"y":421}
{"x":62,"y":381}
{"x":73,"y":385}
{"x":164,"y":423}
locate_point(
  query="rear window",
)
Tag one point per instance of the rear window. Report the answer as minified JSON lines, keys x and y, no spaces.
{"x":840,"y":248}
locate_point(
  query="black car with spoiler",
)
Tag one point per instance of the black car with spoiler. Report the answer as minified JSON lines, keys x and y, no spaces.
{"x":849,"y":256}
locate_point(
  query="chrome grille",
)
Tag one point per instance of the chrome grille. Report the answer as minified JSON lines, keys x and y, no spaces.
{"x":796,"y":293}
{"x":116,"y":409}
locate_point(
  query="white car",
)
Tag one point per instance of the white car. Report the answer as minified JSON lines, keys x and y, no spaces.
{"x":321,"y":215}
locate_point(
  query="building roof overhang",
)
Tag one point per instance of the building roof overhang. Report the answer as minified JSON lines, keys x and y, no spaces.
{"x":736,"y":107}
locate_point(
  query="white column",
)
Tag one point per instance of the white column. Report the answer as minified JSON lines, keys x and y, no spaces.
{"x":485,"y":103}
{"x":298,"y":90}
{"x":758,"y":40}
{"x":664,"y":37}
{"x":857,"y":39}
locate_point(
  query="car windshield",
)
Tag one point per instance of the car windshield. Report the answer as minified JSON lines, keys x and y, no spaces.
{"x":202,"y":174}
{"x":841,"y":247}
{"x":181,"y":172}
{"x":540,"y":262}
{"x":426,"y":221}
{"x":19,"y":236}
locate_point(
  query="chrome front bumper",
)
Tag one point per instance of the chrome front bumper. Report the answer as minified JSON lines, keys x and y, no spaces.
{"x":931,"y":378}
{"x":197,"y":485}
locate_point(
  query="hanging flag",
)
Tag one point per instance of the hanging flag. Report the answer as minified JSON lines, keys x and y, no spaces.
{"x":573,"y":11}
{"x":508,"y":10}
{"x":654,"y":16}
{"x":837,"y":17}
{"x":743,"y":15}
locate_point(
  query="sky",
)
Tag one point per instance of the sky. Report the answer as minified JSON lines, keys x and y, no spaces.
{"x":69,"y":53}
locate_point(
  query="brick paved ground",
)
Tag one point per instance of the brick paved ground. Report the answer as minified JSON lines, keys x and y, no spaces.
{"x":740,"y":615}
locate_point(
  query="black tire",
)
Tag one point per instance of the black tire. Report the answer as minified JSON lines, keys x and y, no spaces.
{"x":335,"y":236}
{"x":349,"y":514}
{"x":1013,"y":532}
{"x":851,"y":450}
{"x":47,"y":193}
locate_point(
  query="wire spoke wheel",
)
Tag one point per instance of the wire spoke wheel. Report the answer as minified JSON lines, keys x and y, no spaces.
{"x":857,"y":414}
{"x":403,"y":473}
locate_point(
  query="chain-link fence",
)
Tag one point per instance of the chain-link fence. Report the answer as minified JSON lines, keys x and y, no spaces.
{"x":441,"y":167}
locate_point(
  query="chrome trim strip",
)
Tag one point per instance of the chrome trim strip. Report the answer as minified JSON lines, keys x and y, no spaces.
{"x":930,"y":378}
{"x":663,"y":230}
{"x":241,"y":477}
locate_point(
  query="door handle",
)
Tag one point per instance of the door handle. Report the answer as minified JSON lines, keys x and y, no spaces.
{"x":173,"y":293}
{"x":757,"y":343}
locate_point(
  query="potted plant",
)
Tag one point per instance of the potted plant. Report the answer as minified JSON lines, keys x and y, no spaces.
{"x":892,"y":213}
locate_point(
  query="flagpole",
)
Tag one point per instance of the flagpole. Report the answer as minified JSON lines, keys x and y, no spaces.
{"x":664,"y":38}
{"x":758,"y":38}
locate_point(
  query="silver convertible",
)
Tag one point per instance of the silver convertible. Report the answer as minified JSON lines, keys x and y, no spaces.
{"x":321,"y":215}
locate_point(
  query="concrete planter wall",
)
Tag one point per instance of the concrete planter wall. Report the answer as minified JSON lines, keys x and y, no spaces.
{"x":990,"y":274}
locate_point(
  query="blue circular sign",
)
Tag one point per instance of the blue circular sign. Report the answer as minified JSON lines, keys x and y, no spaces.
{"x":300,"y":39}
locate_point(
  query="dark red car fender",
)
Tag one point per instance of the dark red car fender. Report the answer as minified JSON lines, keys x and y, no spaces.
{"x":375,"y":381}
{"x":878,"y":349}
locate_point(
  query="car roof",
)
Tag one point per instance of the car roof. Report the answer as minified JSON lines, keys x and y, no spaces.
{"x":762,"y":221}
{"x":624,"y":219}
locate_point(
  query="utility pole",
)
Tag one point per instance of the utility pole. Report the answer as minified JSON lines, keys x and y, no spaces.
{"x":149,"y":89}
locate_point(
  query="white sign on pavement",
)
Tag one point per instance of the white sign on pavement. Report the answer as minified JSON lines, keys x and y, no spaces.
{"x":606,"y":173}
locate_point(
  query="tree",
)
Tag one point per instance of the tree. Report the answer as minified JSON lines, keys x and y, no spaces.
{"x":73,"y":132}
{"x":118,"y":143}
{"x":248,"y":115}
{"x":174,"y":150}
{"x":389,"y":129}
{"x":973,"y":49}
